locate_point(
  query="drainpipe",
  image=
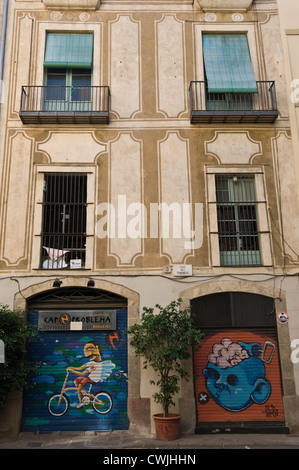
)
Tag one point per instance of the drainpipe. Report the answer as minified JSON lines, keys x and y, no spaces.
{"x":3,"y":34}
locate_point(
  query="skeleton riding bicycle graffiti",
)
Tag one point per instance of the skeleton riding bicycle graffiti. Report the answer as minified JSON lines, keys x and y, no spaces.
{"x":82,"y":378}
{"x":90,"y":374}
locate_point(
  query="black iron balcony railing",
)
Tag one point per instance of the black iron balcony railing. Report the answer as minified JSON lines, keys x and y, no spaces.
{"x":65,"y":105}
{"x":259,"y":107}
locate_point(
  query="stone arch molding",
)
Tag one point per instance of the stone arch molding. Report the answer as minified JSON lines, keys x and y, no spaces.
{"x":233,"y":286}
{"x":283,"y":333}
{"x":133,"y":305}
{"x":21,"y":297}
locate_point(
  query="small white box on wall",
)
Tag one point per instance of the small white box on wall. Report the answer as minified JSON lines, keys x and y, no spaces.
{"x":75,"y":264}
{"x":182,"y":270}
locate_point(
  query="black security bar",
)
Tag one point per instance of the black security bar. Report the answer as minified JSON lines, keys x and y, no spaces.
{"x":233,"y":107}
{"x":65,"y":104}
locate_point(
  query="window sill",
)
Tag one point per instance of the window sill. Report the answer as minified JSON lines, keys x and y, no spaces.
{"x":59,"y":270}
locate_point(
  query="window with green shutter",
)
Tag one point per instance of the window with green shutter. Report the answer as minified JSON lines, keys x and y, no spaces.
{"x":68,"y":71}
{"x":69,"y":50}
{"x":228,"y":72}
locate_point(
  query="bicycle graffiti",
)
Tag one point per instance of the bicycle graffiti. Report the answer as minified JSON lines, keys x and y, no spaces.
{"x":91,"y":373}
{"x":59,"y":403}
{"x":81,"y":382}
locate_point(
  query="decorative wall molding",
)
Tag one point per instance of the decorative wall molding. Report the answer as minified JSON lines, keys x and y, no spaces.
{"x":174,"y":191}
{"x":72,"y":4}
{"x":170,"y":66}
{"x":15,"y":223}
{"x":126,"y":199}
{"x":68,"y":147}
{"x":233,"y":147}
{"x":225,"y":5}
{"x":125,"y":68}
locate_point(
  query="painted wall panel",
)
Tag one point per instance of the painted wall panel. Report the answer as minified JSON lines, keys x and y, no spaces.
{"x":175,"y":230}
{"x":16,"y":220}
{"x":125,"y":67}
{"x":125,"y":188}
{"x":170,"y":60}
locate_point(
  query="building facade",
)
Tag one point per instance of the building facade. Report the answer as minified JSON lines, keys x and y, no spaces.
{"x":288,"y":12}
{"x":147,"y":155}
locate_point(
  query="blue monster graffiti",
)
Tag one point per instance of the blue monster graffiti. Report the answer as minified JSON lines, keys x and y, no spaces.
{"x":235,"y":375}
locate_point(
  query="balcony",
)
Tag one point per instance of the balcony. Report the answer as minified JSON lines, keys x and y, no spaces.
{"x":239,"y":108}
{"x":65,"y":105}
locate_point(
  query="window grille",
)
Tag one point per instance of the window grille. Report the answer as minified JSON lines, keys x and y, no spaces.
{"x":237,"y":221}
{"x":234,"y":310}
{"x":63,"y":237}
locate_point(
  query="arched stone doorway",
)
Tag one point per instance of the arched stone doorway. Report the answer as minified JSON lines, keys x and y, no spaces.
{"x":76,"y":294}
{"x":277,"y":298}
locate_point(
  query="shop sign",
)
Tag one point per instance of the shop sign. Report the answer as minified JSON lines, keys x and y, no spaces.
{"x":77,"y":320}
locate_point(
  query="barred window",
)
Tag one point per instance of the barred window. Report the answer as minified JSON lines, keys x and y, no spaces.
{"x":63,"y":237}
{"x":237,"y":221}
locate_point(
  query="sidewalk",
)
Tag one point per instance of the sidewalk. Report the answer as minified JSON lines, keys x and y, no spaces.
{"x":128,"y":440}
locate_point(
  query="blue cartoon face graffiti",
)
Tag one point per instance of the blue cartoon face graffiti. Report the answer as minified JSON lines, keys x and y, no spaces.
{"x":235,"y":376}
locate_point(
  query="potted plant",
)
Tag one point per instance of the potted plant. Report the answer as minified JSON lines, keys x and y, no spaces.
{"x":164,"y":338}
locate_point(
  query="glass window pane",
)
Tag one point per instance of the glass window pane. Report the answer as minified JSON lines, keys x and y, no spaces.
{"x":55,"y":90}
{"x":81,"y":84}
{"x":81,"y":80}
{"x":237,"y":220}
{"x":64,"y":220}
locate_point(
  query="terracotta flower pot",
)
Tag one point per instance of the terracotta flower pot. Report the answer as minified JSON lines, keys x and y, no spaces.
{"x":167,"y":428}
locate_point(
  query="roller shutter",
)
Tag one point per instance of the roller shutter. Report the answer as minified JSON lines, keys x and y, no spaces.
{"x":105,"y":408}
{"x":237,"y":367}
{"x":238,"y":377}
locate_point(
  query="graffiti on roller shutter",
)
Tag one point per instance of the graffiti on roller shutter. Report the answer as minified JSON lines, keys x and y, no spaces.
{"x":239,"y":375}
{"x":93,"y":372}
{"x":81,"y":383}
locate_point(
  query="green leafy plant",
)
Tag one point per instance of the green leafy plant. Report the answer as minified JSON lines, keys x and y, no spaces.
{"x":14,"y":332}
{"x":165,"y":338}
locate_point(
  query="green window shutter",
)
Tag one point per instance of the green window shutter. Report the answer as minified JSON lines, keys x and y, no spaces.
{"x":69,"y":50}
{"x":227,"y":64}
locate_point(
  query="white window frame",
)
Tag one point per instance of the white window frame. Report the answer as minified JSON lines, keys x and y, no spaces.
{"x":96,"y":30}
{"x":261,"y":208}
{"x":200,"y":29}
{"x":40,"y":170}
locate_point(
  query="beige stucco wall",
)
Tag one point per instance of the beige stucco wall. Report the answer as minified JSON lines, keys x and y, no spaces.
{"x":288,"y":14}
{"x":1,"y":14}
